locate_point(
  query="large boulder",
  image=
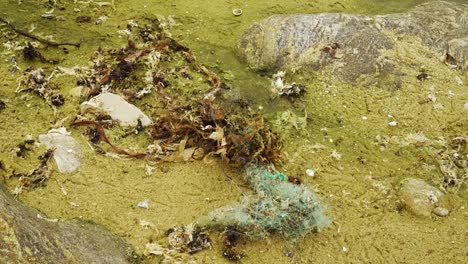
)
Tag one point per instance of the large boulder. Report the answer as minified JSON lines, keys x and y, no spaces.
{"x":28,"y":237}
{"x":353,"y":45}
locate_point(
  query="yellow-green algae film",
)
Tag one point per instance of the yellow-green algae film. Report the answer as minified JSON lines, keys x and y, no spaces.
{"x":358,"y":159}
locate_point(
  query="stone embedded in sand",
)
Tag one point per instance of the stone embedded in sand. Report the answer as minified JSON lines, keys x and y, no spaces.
{"x":119,"y":109}
{"x":418,"y":196}
{"x":440,"y":211}
{"x":67,"y":153}
{"x":27,"y":238}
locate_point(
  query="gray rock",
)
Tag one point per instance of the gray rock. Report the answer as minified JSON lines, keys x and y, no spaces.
{"x":440,"y":211}
{"x":26,"y":238}
{"x":418,"y":196}
{"x":306,"y":41}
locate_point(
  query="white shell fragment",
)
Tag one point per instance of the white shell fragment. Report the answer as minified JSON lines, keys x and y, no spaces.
{"x":67,"y":152}
{"x":144,"y":204}
{"x":393,"y":123}
{"x":119,"y":109}
{"x":237,"y":12}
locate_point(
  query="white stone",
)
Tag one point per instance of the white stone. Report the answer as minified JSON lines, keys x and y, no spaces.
{"x":67,"y":153}
{"x":119,"y":109}
{"x":310,"y":172}
{"x":144,"y":204}
{"x":393,"y":123}
{"x":440,"y":211}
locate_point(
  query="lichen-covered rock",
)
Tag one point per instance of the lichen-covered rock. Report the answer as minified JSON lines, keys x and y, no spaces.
{"x":354,"y":45}
{"x":418,"y":196}
{"x":26,"y":238}
{"x":119,"y":109}
{"x":67,"y":152}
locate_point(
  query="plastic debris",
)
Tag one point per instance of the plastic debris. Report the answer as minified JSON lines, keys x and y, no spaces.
{"x":119,"y":109}
{"x":67,"y":152}
{"x":278,"y":207}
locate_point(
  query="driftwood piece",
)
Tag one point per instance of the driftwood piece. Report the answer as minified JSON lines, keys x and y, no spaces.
{"x":27,"y":238}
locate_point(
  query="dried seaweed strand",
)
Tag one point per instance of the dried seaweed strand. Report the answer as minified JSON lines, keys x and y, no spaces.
{"x":42,"y":40}
{"x":102,"y":134}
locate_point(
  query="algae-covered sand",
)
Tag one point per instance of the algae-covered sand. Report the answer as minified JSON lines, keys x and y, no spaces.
{"x":359,"y":159}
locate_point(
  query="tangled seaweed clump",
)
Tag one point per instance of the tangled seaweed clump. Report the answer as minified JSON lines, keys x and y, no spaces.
{"x":154,"y":67}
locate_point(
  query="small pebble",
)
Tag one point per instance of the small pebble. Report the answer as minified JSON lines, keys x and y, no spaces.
{"x":144,"y":204}
{"x":393,"y":123}
{"x":364,"y":118}
{"x":310,"y":172}
{"x":440,"y":211}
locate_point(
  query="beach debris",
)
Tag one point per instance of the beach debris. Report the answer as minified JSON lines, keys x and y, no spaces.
{"x":67,"y":151}
{"x":36,"y":177}
{"x":335,"y":155}
{"x":231,"y":237}
{"x":190,"y":238}
{"x":310,"y":172}
{"x":37,"y":38}
{"x":288,"y":119}
{"x":83,"y":19}
{"x":119,"y":109}
{"x":281,"y":88}
{"x":36,"y":81}
{"x":418,"y":196}
{"x":2,"y":106}
{"x":453,"y":162}
{"x":97,"y":129}
{"x":147,"y":225}
{"x":100,"y":20}
{"x":416,"y":139}
{"x":393,"y":123}
{"x":166,"y":255}
{"x":154,"y":249}
{"x":422,"y":76}
{"x":331,"y":50}
{"x":144,"y":204}
{"x":23,"y":147}
{"x":278,"y":206}
{"x":237,"y":11}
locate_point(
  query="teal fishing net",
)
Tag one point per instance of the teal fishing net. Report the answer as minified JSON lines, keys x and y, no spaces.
{"x":277,"y":206}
